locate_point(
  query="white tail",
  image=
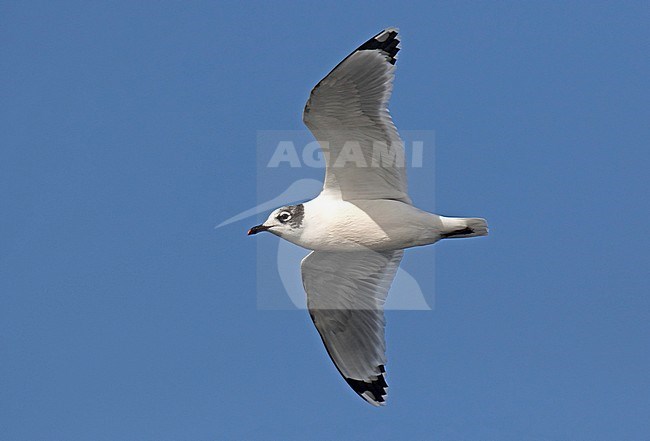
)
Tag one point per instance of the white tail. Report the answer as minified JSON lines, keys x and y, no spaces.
{"x":454,"y":227}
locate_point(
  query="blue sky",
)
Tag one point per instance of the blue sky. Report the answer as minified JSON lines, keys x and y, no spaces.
{"x":128,"y":130}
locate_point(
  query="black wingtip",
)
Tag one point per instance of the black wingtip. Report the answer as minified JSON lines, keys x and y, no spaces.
{"x":374,"y":391}
{"x":386,"y":41}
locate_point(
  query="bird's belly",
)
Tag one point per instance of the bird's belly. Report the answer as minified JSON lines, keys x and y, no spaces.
{"x":349,"y":239}
{"x":352,"y":227}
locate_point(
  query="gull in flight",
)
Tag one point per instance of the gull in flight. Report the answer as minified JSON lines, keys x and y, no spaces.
{"x":363,"y":219}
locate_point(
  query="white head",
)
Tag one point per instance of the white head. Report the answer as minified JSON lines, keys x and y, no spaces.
{"x":285,"y":222}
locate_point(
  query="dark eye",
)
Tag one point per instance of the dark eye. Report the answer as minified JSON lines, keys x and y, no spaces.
{"x":284,"y":216}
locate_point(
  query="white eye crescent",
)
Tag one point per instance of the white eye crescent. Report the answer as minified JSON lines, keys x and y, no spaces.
{"x":284,"y":216}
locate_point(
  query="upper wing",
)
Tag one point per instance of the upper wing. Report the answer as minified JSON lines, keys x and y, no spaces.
{"x":347,"y":113}
{"x":346,"y":292}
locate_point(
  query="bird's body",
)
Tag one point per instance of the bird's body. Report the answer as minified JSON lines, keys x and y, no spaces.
{"x":359,"y":225}
{"x":332,"y":224}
